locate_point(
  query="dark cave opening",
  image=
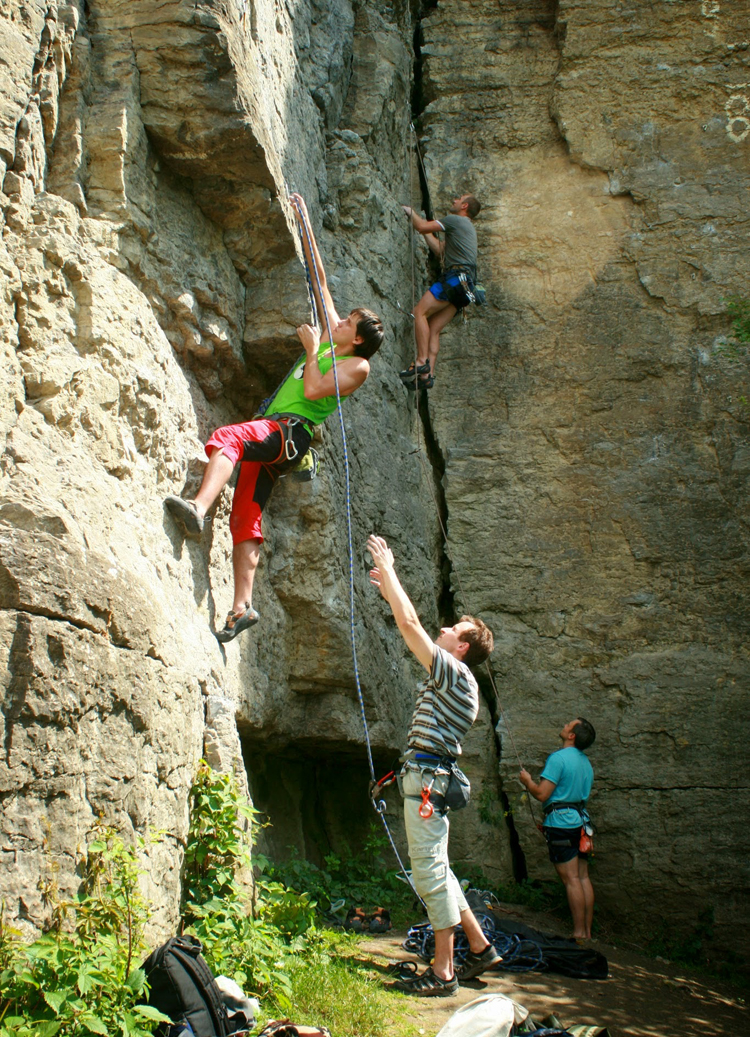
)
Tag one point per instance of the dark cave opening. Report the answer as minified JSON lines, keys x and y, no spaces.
{"x":315,"y":800}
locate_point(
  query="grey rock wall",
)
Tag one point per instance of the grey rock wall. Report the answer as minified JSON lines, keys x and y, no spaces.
{"x":591,"y":434}
{"x":594,"y":436}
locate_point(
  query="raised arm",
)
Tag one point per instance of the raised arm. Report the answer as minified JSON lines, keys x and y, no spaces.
{"x":300,"y":211}
{"x":383,"y":576}
{"x":351,"y":370}
{"x":420,"y":225}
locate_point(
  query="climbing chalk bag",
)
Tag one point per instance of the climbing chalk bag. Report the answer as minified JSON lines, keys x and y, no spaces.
{"x":458,"y":791}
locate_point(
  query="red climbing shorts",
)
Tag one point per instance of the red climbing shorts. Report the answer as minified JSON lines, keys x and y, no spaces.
{"x":259,"y":449}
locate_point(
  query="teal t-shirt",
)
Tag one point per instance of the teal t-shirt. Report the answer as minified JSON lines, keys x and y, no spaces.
{"x":573,"y":776}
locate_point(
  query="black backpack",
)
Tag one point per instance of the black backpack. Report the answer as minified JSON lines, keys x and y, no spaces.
{"x":183,"y":987}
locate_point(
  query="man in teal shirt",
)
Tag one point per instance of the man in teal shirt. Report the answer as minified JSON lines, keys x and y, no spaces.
{"x":268,"y":446}
{"x":564,"y":788}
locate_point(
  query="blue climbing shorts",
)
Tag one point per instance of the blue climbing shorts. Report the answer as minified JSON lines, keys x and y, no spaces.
{"x":438,"y":288}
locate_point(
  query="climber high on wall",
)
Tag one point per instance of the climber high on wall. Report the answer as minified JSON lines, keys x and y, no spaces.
{"x":455,"y":289}
{"x":268,"y":446}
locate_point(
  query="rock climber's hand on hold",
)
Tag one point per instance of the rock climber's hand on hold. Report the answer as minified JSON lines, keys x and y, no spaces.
{"x":310,"y":339}
{"x":298,"y":204}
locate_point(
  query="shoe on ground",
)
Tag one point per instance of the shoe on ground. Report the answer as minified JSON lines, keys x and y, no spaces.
{"x":356,"y":920}
{"x":237,"y":622}
{"x":409,"y":374}
{"x":380,"y":920}
{"x":186,"y":514}
{"x":475,"y":964}
{"x":428,"y":985}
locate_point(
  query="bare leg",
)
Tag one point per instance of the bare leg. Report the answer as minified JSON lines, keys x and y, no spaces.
{"x":217,"y":474}
{"x":426,"y":308}
{"x":245,"y":556}
{"x":437,"y":323}
{"x":568,"y":872}
{"x":588,"y":893}
{"x":442,"y":964}
{"x":477,"y":940}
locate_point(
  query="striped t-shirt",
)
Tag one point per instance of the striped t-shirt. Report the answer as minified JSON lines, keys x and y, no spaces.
{"x":447,"y":706}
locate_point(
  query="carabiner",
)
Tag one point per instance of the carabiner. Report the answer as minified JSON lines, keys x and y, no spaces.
{"x":426,"y":809}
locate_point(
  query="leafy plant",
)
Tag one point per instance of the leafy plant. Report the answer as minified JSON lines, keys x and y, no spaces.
{"x":249,"y":928}
{"x":361,"y":879}
{"x":81,"y":981}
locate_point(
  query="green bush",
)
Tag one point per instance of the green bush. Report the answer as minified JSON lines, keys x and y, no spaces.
{"x":81,"y":980}
{"x":249,"y":929}
{"x":361,"y":879}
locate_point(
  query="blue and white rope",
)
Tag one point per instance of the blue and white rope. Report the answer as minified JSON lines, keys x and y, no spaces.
{"x":360,"y":697}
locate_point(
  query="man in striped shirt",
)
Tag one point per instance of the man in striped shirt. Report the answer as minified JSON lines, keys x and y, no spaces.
{"x":447,"y":706}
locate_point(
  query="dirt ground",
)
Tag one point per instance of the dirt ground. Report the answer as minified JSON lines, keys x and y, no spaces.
{"x":642,"y":997}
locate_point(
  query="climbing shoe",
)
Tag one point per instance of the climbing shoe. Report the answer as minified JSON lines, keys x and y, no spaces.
{"x":413,"y":370}
{"x":236,"y":623}
{"x":186,"y":514}
{"x":474,"y":964}
{"x":356,"y":920}
{"x":428,"y":985}
{"x":380,"y":920}
{"x":425,"y":382}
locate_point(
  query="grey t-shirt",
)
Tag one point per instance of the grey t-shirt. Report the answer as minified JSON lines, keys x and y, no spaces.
{"x":460,"y":241}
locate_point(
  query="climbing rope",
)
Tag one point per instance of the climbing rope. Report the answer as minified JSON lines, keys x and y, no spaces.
{"x":518,"y":954}
{"x":380,"y":805}
{"x":429,"y":477}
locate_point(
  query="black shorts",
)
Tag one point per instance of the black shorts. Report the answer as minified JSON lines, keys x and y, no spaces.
{"x":562,"y":844}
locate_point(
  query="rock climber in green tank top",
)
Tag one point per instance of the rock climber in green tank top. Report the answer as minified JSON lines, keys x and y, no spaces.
{"x":267,"y":447}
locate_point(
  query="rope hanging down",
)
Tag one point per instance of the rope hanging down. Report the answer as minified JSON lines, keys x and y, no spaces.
{"x":421,"y":450}
{"x":379,"y":807}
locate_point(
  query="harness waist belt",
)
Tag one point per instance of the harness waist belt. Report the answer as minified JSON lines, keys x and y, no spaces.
{"x":295,"y":418}
{"x":424,"y":757}
{"x":550,"y":807}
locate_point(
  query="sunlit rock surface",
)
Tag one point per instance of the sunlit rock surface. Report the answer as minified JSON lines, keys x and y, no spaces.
{"x":585,"y":441}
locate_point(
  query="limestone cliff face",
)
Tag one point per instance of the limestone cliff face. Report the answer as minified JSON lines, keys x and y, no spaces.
{"x":586,"y":438}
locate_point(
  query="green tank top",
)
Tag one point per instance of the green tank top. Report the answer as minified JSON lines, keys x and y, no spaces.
{"x":290,"y":399}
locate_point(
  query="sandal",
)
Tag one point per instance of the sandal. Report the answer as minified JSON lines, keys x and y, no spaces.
{"x":237,"y":622}
{"x":186,"y":514}
{"x":380,"y":920}
{"x":355,"y":920}
{"x":403,"y":969}
{"x":412,"y":371}
{"x":428,"y":985}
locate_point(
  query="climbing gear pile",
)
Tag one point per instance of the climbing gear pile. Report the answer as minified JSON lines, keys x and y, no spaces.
{"x":516,"y":954}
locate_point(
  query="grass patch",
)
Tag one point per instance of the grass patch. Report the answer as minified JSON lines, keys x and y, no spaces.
{"x":330,"y":987}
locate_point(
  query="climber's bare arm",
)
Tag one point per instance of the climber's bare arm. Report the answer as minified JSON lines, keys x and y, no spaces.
{"x":312,"y":253}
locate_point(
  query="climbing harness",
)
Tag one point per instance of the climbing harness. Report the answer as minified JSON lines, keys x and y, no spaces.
{"x":347,"y":485}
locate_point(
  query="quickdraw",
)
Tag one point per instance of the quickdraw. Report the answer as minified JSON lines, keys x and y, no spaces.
{"x":376,"y":787}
